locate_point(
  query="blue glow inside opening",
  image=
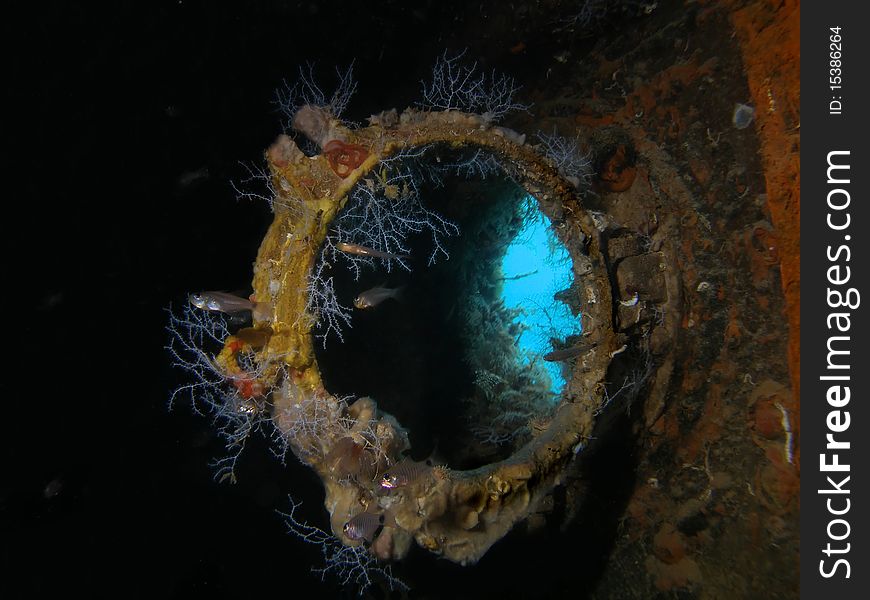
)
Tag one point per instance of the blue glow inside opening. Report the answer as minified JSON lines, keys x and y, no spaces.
{"x":536,"y":266}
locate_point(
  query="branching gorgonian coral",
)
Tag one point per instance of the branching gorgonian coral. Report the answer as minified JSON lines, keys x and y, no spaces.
{"x":195,"y":338}
{"x":567,"y":156}
{"x":305,"y":91}
{"x":458,"y":86}
{"x":383,"y":212}
{"x":347,"y":564}
{"x":329,"y":314}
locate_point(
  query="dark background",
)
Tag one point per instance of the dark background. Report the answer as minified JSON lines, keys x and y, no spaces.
{"x":104,"y":491}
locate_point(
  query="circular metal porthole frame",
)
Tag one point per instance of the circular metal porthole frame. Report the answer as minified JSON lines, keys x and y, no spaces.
{"x":455,"y":514}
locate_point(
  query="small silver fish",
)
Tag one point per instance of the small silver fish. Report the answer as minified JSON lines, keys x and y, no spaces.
{"x":191,"y":178}
{"x":364,"y":526}
{"x":376,"y":295}
{"x":365,"y":251}
{"x":404,"y":473}
{"x":568,"y":353}
{"x":221,"y":302}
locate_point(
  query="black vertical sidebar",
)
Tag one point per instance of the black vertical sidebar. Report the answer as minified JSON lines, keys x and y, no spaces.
{"x":835,"y":300}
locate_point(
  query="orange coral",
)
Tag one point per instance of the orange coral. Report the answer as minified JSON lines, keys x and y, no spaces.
{"x":248,"y":387}
{"x":344,"y":158}
{"x":619,"y":171}
{"x":245,"y":383}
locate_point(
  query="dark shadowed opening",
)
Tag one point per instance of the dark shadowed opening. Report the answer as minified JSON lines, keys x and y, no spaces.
{"x":444,"y":357}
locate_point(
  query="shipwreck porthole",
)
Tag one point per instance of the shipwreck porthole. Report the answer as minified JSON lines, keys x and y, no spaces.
{"x":343,"y":370}
{"x":455,"y":315}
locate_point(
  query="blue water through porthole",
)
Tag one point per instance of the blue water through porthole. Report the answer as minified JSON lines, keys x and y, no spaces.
{"x":536,"y":266}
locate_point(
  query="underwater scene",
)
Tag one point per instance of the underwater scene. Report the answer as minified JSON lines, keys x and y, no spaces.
{"x":446,"y":300}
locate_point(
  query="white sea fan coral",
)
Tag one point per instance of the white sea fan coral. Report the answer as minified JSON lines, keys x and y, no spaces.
{"x":458,"y":86}
{"x":567,"y":156}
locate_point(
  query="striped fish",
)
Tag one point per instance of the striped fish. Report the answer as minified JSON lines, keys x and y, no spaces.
{"x":405,"y":473}
{"x":364,"y":526}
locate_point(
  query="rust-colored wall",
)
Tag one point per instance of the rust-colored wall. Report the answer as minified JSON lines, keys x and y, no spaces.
{"x":769,"y":36}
